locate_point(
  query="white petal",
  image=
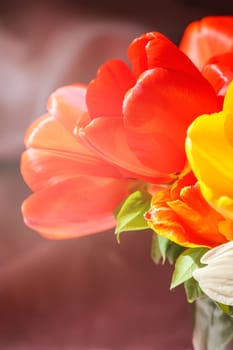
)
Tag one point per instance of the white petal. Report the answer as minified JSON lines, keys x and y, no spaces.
{"x":217,"y":252}
{"x":216,"y":279}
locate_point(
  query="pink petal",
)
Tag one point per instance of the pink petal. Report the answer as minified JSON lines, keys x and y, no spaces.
{"x":68,"y":105}
{"x":41,"y":168}
{"x":47,"y":133}
{"x":75,"y":207}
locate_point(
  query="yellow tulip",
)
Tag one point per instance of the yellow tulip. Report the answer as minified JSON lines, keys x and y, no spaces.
{"x":209,"y":148}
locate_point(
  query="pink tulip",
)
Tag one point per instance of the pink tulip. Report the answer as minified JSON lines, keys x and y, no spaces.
{"x":75,"y":191}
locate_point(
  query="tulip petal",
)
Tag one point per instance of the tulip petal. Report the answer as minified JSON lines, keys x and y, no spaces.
{"x":53,"y":153}
{"x":153,"y":50}
{"x":210,"y":154}
{"x":74,"y":207}
{"x":156,"y":117}
{"x":188,"y":221}
{"x":41,"y":168}
{"x":219,"y":72}
{"x":68,"y":105}
{"x":206,"y":38}
{"x":105,"y":94}
{"x":107,"y":137}
{"x":47,"y":133}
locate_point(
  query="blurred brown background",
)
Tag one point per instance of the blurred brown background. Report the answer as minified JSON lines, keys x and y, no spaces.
{"x":88,"y":293}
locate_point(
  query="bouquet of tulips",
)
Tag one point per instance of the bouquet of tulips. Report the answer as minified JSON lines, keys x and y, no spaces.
{"x":148,"y":145}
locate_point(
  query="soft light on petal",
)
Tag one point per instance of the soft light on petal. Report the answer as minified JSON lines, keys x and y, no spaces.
{"x":41,"y":168}
{"x":74,"y":207}
{"x":68,"y":105}
{"x":206,"y":38}
{"x":106,"y":136}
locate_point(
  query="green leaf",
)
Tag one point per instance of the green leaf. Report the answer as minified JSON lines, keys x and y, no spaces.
{"x":186,"y":263}
{"x":162,"y":248}
{"x":173,"y":251}
{"x":130,"y":217}
{"x":163,"y":243}
{"x":192,"y":290}
{"x":159,"y":248}
{"x":213,"y":329}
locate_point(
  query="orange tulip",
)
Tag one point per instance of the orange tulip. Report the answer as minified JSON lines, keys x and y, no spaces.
{"x":181,"y":214}
{"x":139,"y":117}
{"x":208,"y":37}
{"x":76,"y":191}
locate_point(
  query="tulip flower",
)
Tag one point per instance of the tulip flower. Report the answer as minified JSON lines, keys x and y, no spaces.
{"x":206,"y":38}
{"x":181,"y":214}
{"x":75,"y":191}
{"x":216,"y":279}
{"x":126,"y":125}
{"x":139,"y":116}
{"x":209,"y":148}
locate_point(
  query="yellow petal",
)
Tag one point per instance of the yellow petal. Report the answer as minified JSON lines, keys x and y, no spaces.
{"x":228,"y":100}
{"x":210,"y":154}
{"x":228,"y":108}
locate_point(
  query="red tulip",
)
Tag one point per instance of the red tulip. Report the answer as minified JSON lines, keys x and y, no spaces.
{"x":131,"y":124}
{"x":140,"y":116}
{"x":208,"y":37}
{"x":76,"y":191}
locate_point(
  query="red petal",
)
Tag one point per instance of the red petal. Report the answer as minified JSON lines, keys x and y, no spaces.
{"x":219,"y":72}
{"x":107,"y":137}
{"x":208,"y":37}
{"x":75,"y":207}
{"x":157,"y":112}
{"x":68,"y":106}
{"x":105,"y":94}
{"x":153,"y":50}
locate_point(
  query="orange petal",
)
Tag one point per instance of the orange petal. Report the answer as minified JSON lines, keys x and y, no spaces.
{"x":107,"y":137}
{"x":156,"y":116}
{"x":188,"y":221}
{"x":68,"y":105}
{"x":153,"y":50}
{"x":208,"y":37}
{"x":105,"y":94}
{"x":75,"y":207}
